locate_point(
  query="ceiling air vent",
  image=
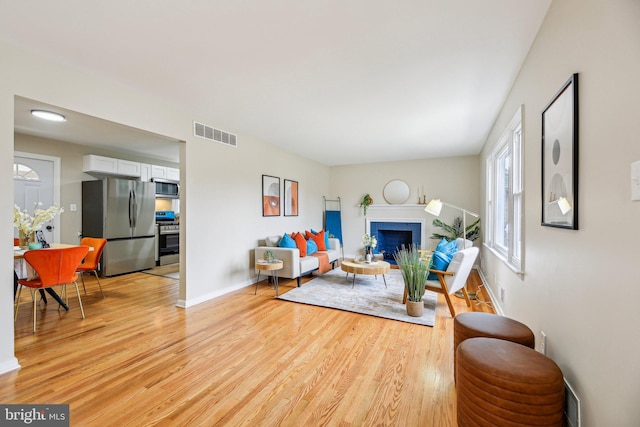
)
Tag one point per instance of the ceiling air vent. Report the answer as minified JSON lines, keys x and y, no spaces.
{"x":213,"y":134}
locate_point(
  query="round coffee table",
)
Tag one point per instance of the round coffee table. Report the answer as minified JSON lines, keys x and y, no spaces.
{"x":373,"y":269}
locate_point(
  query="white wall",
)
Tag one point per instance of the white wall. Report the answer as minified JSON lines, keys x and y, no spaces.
{"x":453,"y":180}
{"x":221,"y":185}
{"x":580,"y":287}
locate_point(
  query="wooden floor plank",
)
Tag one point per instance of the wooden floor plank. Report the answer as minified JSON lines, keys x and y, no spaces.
{"x":237,"y":360}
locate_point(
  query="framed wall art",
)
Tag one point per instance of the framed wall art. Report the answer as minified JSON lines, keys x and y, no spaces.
{"x":270,"y":195}
{"x":560,"y":158}
{"x":290,"y":198}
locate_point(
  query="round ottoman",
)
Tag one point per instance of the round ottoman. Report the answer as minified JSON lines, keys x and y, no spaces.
{"x":501,"y":383}
{"x":476,"y":324}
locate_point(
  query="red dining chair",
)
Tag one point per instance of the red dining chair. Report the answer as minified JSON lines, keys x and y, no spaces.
{"x":54,"y":267}
{"x":90,"y":264}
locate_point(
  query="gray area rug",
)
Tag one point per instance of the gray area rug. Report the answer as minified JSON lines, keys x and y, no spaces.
{"x":368,"y":296}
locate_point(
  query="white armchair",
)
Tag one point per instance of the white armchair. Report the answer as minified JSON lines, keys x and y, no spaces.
{"x":455,"y":278}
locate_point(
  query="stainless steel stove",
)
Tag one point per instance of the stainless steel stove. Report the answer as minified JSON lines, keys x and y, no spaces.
{"x":168,"y":237}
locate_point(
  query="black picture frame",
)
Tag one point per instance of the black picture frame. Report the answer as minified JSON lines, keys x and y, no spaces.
{"x":290,"y":197}
{"x":270,"y":195}
{"x":560,"y":158}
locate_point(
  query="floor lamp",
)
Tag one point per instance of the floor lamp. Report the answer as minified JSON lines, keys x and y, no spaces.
{"x":434,"y":207}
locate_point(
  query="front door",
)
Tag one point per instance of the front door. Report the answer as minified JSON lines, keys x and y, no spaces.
{"x":35,"y":179}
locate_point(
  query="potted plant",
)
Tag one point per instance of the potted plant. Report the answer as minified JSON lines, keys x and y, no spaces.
{"x":365,"y":203}
{"x":414,"y":272}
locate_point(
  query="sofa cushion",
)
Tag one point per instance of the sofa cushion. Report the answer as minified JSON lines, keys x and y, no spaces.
{"x":301,"y":244}
{"x":287,"y":242}
{"x":446,"y":247}
{"x":272,"y":241}
{"x":326,"y":237}
{"x":312,"y":248}
{"x":309,"y":263}
{"x":318,"y":238}
{"x":439,"y":261}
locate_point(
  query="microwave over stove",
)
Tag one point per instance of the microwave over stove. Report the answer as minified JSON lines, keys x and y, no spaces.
{"x":166,"y":189}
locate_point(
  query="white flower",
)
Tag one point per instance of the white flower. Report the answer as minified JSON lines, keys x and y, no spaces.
{"x":368,"y":240}
{"x":28,"y":224}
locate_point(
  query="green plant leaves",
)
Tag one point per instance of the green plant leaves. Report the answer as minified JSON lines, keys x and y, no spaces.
{"x":414,"y":271}
{"x":454,"y":230}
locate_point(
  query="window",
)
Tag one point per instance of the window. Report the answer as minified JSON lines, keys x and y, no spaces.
{"x":24,"y":172}
{"x":504,"y":195}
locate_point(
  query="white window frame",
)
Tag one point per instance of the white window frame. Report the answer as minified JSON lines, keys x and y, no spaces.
{"x":512,"y":140}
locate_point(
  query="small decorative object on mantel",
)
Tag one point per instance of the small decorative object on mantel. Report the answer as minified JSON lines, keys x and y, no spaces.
{"x":370,"y":243}
{"x":365,"y":203}
{"x":27,"y":225}
{"x":414,"y":272}
{"x":422,"y":198}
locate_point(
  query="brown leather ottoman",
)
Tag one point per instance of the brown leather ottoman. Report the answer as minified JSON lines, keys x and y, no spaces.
{"x":477,"y":324}
{"x":501,"y":383}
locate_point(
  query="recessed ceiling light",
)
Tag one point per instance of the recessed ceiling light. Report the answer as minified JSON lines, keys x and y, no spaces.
{"x":49,"y":115}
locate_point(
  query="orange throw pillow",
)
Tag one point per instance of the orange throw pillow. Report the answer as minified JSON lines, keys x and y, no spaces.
{"x":318,"y":239}
{"x":301,"y":243}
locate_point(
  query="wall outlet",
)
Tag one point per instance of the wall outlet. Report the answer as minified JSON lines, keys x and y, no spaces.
{"x":543,"y":343}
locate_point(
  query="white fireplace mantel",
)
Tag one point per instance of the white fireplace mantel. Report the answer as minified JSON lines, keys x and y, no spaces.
{"x":405,"y":206}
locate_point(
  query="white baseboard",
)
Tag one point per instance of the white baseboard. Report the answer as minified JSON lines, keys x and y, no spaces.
{"x":217,"y":293}
{"x":495,"y":302}
{"x":8,"y":365}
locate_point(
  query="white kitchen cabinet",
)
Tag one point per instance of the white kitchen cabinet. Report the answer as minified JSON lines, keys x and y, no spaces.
{"x":101,"y":165}
{"x":158,"y":172}
{"x":128,"y":168}
{"x":145,"y":172}
{"x":173,"y":174}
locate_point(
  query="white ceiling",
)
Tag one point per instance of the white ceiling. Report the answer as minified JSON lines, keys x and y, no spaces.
{"x":87,"y":130}
{"x":341,"y":82}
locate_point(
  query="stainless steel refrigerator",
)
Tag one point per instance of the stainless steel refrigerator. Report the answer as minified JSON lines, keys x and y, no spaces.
{"x":123,"y":212}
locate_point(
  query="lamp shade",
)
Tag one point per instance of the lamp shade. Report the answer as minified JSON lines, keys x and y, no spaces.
{"x":434,"y":207}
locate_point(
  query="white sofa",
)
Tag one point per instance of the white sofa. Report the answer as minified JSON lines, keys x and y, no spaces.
{"x":295,"y":266}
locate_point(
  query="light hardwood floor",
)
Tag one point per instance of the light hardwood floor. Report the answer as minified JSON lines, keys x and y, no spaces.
{"x":237,"y":360}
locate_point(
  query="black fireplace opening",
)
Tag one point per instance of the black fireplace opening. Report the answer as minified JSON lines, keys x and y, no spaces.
{"x":393,"y":235}
{"x":390,"y":240}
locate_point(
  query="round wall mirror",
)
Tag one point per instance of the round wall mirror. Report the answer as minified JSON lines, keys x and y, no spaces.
{"x":396,"y":192}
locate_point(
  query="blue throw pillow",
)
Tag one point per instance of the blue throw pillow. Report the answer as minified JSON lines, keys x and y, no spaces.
{"x":446,"y":247}
{"x":312,"y":248}
{"x":287,"y":242}
{"x":326,"y":237}
{"x":439,"y":261}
